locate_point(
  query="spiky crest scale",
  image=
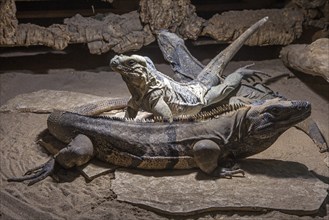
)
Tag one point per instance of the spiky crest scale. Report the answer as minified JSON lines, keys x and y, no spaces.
{"x":201,"y":116}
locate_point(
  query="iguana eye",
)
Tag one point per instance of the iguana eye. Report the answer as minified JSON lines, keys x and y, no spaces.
{"x":131,"y":62}
{"x":274,"y":110}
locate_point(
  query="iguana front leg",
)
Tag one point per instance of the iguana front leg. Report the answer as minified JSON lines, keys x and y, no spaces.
{"x":156,"y":105}
{"x":132,"y":109}
{"x":162,"y":109}
{"x":207,"y":155}
{"x":78,"y":152}
{"x":231,"y":82}
{"x":131,"y":112}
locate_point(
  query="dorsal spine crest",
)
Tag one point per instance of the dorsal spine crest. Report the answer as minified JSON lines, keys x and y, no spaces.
{"x":201,"y":116}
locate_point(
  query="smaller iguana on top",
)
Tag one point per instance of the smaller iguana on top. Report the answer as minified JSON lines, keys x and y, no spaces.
{"x":157,"y":93}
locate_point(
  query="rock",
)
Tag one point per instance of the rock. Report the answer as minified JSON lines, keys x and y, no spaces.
{"x":96,"y":168}
{"x":176,"y":16}
{"x":45,"y":101}
{"x":102,"y":33}
{"x":283,"y":26}
{"x":120,"y":33}
{"x":267,"y":185}
{"x":310,"y":59}
{"x":133,"y":30}
{"x":309,"y":4}
{"x":55,"y":36}
{"x":316,"y":12}
{"x":14,"y":34}
{"x":8,"y":21}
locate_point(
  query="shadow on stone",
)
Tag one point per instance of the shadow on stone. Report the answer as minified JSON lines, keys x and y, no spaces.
{"x":275,"y":168}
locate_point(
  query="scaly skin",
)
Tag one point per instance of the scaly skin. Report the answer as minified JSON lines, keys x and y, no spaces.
{"x":187,"y":68}
{"x":240,"y":132}
{"x":99,"y":107}
{"x":155,"y":92}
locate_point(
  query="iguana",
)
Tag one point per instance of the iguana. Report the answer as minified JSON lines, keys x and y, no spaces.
{"x":206,"y":141}
{"x":157,"y":93}
{"x":187,"y":68}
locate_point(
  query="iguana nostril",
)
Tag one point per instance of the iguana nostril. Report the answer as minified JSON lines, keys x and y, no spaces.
{"x":307,"y":105}
{"x":302,"y":105}
{"x":114,"y":62}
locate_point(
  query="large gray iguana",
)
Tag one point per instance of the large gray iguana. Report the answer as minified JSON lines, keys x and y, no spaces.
{"x":157,"y":93}
{"x":187,"y":68}
{"x":206,"y":141}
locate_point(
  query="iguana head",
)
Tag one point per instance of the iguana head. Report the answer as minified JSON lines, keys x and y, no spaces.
{"x":168,"y":43}
{"x":268,"y":118}
{"x":132,"y":68}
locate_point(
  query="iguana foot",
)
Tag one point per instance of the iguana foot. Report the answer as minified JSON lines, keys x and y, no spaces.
{"x":227,"y":172}
{"x":248,"y":74}
{"x":36,"y":174}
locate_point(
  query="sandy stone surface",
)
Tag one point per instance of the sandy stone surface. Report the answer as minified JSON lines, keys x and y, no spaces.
{"x":289,"y":159}
{"x":46,"y":101}
{"x":194,"y":192}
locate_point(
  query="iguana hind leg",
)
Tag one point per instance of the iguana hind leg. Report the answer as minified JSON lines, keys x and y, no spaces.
{"x":36,"y":174}
{"x":231,"y":82}
{"x":206,"y":155}
{"x":78,"y":152}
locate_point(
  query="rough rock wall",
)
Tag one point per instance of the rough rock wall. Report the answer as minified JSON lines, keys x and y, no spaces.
{"x":316,"y":11}
{"x":131,"y":31}
{"x":55,"y":36}
{"x":283,"y":27}
{"x":175,"y":15}
{"x":102,"y":33}
{"x":8,"y":22}
{"x":12,"y":33}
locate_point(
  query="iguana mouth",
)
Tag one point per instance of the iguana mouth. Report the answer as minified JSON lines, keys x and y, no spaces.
{"x":295,"y":118}
{"x":125,"y":69}
{"x":304,"y":115}
{"x":116,"y":66}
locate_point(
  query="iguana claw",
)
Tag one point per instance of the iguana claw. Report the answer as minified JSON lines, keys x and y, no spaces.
{"x":227,"y":172}
{"x":36,"y":174}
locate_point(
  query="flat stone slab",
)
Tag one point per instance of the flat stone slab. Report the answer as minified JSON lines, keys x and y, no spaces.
{"x":96,"y":168}
{"x":45,"y":101}
{"x":268,"y":185}
{"x":308,"y":58}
